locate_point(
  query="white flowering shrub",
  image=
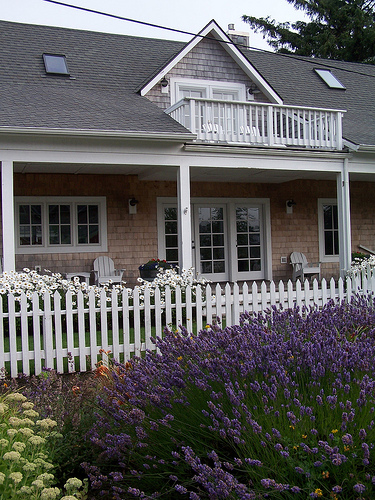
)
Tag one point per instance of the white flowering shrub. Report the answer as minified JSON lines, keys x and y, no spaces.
{"x":171,"y":278}
{"x":25,"y":441}
{"x":361,"y":265}
{"x":30,"y":282}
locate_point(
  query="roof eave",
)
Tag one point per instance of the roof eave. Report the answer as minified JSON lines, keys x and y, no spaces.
{"x":65,"y":132}
{"x":359,"y":148}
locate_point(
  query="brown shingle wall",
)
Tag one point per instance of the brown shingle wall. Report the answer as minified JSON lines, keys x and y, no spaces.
{"x":132,"y":239}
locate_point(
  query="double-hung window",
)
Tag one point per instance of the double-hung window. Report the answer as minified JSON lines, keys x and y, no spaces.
{"x":60,"y":224}
{"x":328,"y":230}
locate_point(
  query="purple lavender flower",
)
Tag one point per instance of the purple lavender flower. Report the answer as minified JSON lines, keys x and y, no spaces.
{"x":359,"y":488}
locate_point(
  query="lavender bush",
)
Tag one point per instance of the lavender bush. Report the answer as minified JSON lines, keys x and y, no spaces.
{"x":281,"y":406}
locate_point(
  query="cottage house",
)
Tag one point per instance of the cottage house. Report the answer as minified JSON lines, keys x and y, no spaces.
{"x":207,"y":154}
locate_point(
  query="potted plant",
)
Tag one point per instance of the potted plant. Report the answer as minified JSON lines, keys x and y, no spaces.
{"x":149,"y":270}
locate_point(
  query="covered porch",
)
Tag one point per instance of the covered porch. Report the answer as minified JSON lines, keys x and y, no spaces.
{"x":193,"y":178}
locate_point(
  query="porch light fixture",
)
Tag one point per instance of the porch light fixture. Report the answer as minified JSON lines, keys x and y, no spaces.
{"x":133,"y":206}
{"x":289,"y":206}
{"x":164,"y":86}
{"x":251,"y":90}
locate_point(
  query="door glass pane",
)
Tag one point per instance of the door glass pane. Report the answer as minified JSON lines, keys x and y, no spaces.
{"x":171,"y":236}
{"x":211,"y":240}
{"x":248,"y":226}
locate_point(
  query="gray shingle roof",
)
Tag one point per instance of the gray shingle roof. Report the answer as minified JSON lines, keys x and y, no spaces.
{"x":101,"y":93}
{"x":107,"y":70}
{"x":297,"y":83}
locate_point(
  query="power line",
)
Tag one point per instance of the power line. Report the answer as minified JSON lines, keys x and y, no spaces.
{"x":229,"y":42}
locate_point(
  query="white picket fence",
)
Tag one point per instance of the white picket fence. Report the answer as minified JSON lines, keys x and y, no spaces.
{"x":68,"y":333}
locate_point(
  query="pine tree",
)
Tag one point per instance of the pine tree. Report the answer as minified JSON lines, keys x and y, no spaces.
{"x":338,"y":29}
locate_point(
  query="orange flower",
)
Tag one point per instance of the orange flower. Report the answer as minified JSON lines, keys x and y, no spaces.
{"x":101,"y":371}
{"x":75,"y":390}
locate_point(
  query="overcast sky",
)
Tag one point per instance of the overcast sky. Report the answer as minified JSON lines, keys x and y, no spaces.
{"x":191,"y":15}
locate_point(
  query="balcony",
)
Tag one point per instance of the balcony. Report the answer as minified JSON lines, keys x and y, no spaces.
{"x":257,"y":124}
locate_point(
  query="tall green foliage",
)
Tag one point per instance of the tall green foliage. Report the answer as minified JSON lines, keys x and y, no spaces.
{"x":338,"y":29}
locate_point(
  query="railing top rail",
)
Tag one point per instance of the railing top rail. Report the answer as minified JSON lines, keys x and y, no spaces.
{"x":250,"y":103}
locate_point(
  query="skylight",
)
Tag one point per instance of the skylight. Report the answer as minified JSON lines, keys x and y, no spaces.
{"x":329,"y":78}
{"x":55,"y":64}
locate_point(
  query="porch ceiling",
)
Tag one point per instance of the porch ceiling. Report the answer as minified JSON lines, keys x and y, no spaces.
{"x":197,"y":174}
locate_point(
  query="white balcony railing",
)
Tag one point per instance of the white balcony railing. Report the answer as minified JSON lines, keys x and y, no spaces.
{"x":260,"y":124}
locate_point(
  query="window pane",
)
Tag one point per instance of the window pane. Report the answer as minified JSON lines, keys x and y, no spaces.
{"x":94,"y":214}
{"x":254,"y":252}
{"x":205,"y":240}
{"x":336,"y":242}
{"x":218,"y":240}
{"x":219,"y":267}
{"x":172,"y":255}
{"x":206,"y":254}
{"x":36,"y":235}
{"x":24,"y":211}
{"x":217,"y":227}
{"x":36,"y":214}
{"x":82,"y":234}
{"x":55,"y":64}
{"x":255,"y":265}
{"x":243,"y":265}
{"x":25,"y":235}
{"x":170,"y":214}
{"x":54,"y":235}
{"x":328,"y":243}
{"x":335,"y":217}
{"x":242,"y":253}
{"x":206,"y":267}
{"x":94,"y":233}
{"x":254,"y":239}
{"x":171,"y":227}
{"x":64,"y":214}
{"x":171,"y":241}
{"x":53,"y":214}
{"x":327,"y":216}
{"x":218,"y":253}
{"x":65,"y":235}
{"x":82,"y":214}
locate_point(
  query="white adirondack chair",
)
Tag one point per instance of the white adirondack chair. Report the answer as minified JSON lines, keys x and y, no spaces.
{"x":104,"y":271}
{"x":303,"y":269}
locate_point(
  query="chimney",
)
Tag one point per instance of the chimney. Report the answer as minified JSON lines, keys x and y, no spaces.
{"x":241,"y":38}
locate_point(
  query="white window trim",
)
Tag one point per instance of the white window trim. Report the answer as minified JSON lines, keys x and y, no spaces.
{"x":322,"y":256}
{"x":231,"y":204}
{"x":208,"y":85}
{"x":74,"y":247}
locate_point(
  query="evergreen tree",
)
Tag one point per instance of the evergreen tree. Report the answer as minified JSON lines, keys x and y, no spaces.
{"x":338,"y":29}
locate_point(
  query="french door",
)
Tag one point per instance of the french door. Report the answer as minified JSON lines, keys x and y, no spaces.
{"x":211,"y":248}
{"x":229,"y":239}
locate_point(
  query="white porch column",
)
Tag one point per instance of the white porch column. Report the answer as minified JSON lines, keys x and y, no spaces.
{"x":184,"y":217}
{"x":7,"y":213}
{"x":343,"y":206}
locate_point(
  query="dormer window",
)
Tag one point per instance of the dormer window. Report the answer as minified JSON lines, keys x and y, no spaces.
{"x":55,"y":64}
{"x":329,"y":78}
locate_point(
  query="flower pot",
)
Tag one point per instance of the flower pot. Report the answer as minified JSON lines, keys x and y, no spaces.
{"x":148,"y":274}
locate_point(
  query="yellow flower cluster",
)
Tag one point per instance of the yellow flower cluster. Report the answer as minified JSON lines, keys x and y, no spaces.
{"x":24,"y":444}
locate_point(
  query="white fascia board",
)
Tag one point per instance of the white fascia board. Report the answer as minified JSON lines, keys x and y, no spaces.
{"x":98,"y":133}
{"x":232,"y":50}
